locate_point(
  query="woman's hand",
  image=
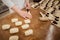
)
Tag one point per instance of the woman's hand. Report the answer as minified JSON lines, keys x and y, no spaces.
{"x":25,"y":15}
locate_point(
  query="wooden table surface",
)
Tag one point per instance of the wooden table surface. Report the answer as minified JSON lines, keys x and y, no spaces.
{"x":40,"y":28}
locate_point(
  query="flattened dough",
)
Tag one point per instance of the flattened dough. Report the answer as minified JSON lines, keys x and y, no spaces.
{"x":5,"y":26}
{"x":14,"y":20}
{"x":18,"y":23}
{"x":27,"y":21}
{"x":14,"y":30}
{"x":28,"y":32}
{"x":25,"y":26}
{"x":15,"y":37}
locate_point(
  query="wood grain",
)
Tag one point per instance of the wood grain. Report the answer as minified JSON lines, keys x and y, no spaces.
{"x":40,"y":28}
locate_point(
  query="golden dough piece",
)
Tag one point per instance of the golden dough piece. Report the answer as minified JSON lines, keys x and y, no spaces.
{"x":5,"y":26}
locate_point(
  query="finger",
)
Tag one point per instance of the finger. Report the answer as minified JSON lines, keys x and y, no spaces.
{"x":25,"y":17}
{"x":29,"y":16}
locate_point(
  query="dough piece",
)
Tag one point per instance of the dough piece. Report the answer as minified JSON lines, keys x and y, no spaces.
{"x":14,"y":20}
{"x":33,"y":6}
{"x":14,"y":30}
{"x":55,"y":3}
{"x":50,"y":3}
{"x":41,"y":1}
{"x":51,"y":17}
{"x":15,"y":37}
{"x":25,"y":26}
{"x":50,"y":10}
{"x":27,"y":21}
{"x":5,"y":26}
{"x":28,"y":32}
{"x":57,"y":23}
{"x":44,"y":18}
{"x":43,"y":5}
{"x":43,"y":15}
{"x":18,"y":23}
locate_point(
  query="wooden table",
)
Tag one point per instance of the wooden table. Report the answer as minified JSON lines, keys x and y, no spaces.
{"x":40,"y":28}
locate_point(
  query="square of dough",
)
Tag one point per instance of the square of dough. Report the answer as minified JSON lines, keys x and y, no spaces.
{"x":15,"y":37}
{"x":25,"y":26}
{"x":14,"y":20}
{"x":27,"y":21}
{"x":14,"y":30}
{"x":18,"y":23}
{"x":5,"y":26}
{"x":28,"y":32}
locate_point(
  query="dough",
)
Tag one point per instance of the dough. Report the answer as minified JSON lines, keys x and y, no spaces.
{"x":14,"y":37}
{"x":14,"y":30}
{"x":5,"y":26}
{"x":43,"y":15}
{"x":50,"y":10}
{"x":18,"y":23}
{"x":58,"y":23}
{"x":44,"y":18}
{"x":43,"y":5}
{"x":50,"y":3}
{"x":25,"y":26}
{"x":51,"y":17}
{"x":41,"y":1}
{"x":28,"y":32}
{"x":14,"y":20}
{"x":27,"y":21}
{"x":33,"y":6}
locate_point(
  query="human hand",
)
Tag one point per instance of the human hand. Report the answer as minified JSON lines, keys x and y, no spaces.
{"x":25,"y":15}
